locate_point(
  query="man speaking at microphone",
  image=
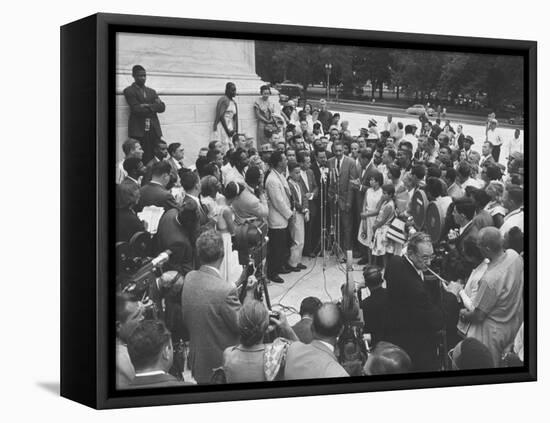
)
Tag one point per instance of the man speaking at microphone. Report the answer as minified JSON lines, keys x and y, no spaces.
{"x":416,"y":316}
{"x":344,"y":176}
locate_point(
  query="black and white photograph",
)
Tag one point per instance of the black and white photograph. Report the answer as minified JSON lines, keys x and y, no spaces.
{"x":298,"y":211}
{"x":275,"y":211}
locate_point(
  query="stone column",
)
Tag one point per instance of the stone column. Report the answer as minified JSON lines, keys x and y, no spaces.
{"x":189,"y":74}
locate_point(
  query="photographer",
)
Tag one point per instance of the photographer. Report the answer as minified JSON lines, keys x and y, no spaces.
{"x":245,"y":361}
{"x":210,"y":306}
{"x":150,"y":349}
{"x":129,"y":312}
{"x":176,"y":232}
{"x":250,"y":203}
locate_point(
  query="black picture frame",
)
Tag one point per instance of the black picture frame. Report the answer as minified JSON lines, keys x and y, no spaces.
{"x":87,"y":155}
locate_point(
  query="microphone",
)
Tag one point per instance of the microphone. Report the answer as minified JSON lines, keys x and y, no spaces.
{"x":157,"y":261}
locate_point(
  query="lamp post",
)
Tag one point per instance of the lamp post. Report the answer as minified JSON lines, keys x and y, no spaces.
{"x":328,"y":68}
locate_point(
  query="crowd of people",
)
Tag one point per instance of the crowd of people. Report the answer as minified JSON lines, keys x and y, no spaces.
{"x":318,"y":188}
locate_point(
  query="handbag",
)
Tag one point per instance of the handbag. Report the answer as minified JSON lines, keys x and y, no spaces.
{"x":396,"y":231}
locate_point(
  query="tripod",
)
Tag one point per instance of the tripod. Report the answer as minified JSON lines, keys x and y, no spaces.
{"x":330,"y":243}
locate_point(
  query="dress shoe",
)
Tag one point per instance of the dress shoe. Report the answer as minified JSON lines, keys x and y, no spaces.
{"x":285,"y":270}
{"x":363,"y":261}
{"x":301,"y":266}
{"x":357,"y":254}
{"x":291,"y":269}
{"x":276,"y":279}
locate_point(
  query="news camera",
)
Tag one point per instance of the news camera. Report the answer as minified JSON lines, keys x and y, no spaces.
{"x":137,"y":271}
{"x":250,"y":240}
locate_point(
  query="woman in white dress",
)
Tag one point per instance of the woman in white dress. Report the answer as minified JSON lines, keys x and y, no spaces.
{"x":371,"y":207}
{"x":230,"y":268}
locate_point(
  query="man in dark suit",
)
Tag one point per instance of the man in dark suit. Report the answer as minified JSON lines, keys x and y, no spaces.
{"x":143,"y":123}
{"x":375,"y":305}
{"x":344,"y":175}
{"x":192,"y":185}
{"x":155,"y":192}
{"x":176,"y":232}
{"x":415,"y":318}
{"x":135,"y":170}
{"x":160,"y":152}
{"x":210,"y":306}
{"x":311,"y":189}
{"x":302,"y":329}
{"x":317,"y":359}
{"x":150,"y":349}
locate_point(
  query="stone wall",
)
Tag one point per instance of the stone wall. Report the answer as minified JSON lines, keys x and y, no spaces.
{"x":189,"y":74}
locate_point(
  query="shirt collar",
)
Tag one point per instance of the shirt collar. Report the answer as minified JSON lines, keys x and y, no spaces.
{"x":214,"y":269}
{"x":151,"y":373}
{"x":420,"y":273}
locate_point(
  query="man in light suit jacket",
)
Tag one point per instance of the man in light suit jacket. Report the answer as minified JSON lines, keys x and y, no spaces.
{"x":280,"y":212}
{"x":143,"y":123}
{"x":317,"y":360}
{"x":340,"y":193}
{"x":210,"y":306}
{"x":248,"y":205}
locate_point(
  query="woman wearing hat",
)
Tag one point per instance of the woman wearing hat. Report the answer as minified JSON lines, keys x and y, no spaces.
{"x":264,"y":110}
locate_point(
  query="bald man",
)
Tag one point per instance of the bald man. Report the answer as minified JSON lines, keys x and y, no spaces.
{"x":496,"y":310}
{"x":317,"y":359}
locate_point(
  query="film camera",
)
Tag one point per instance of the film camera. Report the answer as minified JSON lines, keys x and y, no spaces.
{"x":137,"y":271}
{"x":250,"y":240}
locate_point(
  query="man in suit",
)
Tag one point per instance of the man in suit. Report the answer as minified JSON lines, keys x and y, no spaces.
{"x":469,"y":223}
{"x":302,"y":329}
{"x":317,"y":359}
{"x":311,"y":189}
{"x":375,"y":305}
{"x":131,"y":148}
{"x":344,"y":176}
{"x":210,"y":306}
{"x":155,"y":192}
{"x":152,"y":354}
{"x":177,"y":232}
{"x":280,"y":212}
{"x":143,"y":123}
{"x":250,"y":203}
{"x":176,"y":154}
{"x":160,"y":152}
{"x":192,"y":185}
{"x":135,"y":170}
{"x":414,"y":316}
{"x":486,"y":154}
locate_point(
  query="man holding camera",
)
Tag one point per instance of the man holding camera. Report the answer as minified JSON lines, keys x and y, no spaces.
{"x":210,"y":306}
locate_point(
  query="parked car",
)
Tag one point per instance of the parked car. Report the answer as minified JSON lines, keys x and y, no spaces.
{"x":289,"y":91}
{"x":420,"y":109}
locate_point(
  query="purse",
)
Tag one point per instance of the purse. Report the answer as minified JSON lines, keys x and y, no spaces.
{"x":396,"y":231}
